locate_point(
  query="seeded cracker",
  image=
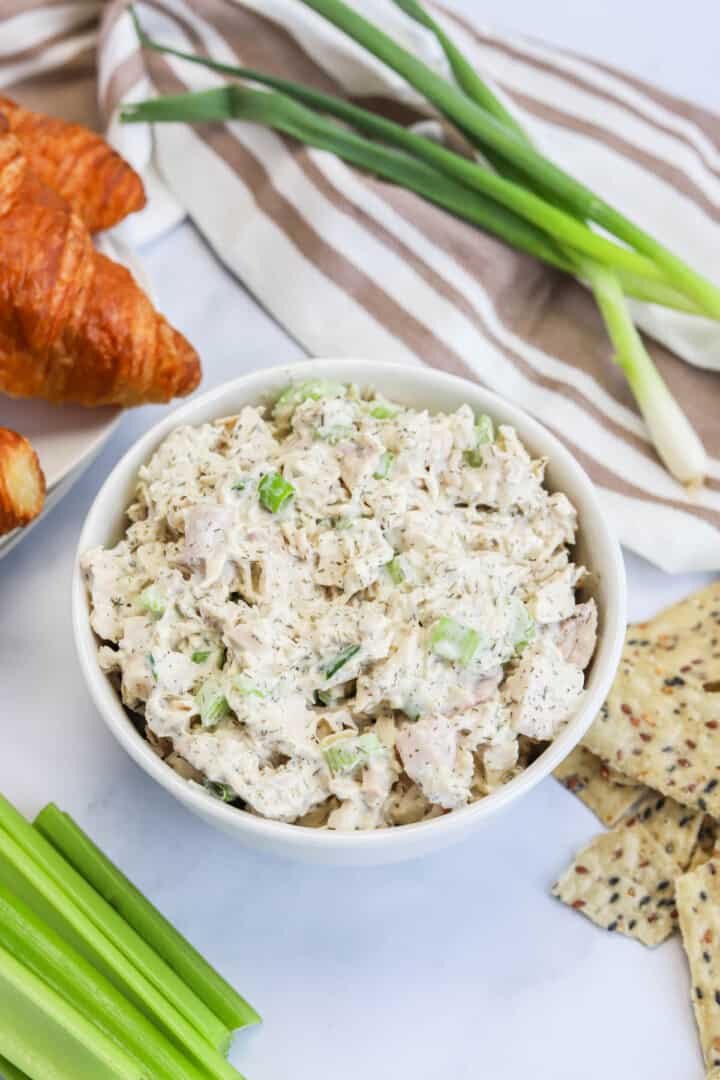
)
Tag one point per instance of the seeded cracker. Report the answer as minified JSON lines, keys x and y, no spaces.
{"x":623,"y":880}
{"x":676,"y":828}
{"x":698,"y":900}
{"x":707,"y":843}
{"x":661,"y":722}
{"x":591,"y":780}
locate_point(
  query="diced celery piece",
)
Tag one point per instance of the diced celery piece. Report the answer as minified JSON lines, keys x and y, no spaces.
{"x":200,"y":656}
{"x":344,"y":753}
{"x":246,"y":689}
{"x":454,"y":642}
{"x":274,"y":491}
{"x":310,"y":390}
{"x":340,"y":660}
{"x":395,"y":569}
{"x":334,"y":434}
{"x":152,"y":600}
{"x":524,"y":630}
{"x":211,"y":703}
{"x":484,"y":434}
{"x":384,"y":466}
{"x":384,"y":411}
{"x":484,"y":430}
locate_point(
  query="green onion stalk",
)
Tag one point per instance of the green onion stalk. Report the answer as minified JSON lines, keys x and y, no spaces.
{"x":527,"y":201}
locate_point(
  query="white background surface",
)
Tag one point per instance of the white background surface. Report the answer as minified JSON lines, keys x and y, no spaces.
{"x":459,"y":966}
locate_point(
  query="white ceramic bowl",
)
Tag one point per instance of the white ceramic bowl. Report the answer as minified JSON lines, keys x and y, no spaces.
{"x":415,"y":387}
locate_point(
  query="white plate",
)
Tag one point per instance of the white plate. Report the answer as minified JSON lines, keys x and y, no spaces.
{"x":66,"y":437}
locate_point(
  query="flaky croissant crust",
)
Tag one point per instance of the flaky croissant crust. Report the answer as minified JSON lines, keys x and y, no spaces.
{"x":75,"y":326}
{"x":77,"y":164}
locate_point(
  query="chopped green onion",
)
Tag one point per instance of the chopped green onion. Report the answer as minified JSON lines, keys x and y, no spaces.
{"x":153,"y":667}
{"x":151,"y":599}
{"x":344,"y":753}
{"x":33,"y":870}
{"x":81,"y":853}
{"x":46,"y":1038}
{"x":335,"y":665}
{"x":200,"y":656}
{"x":223,"y":792}
{"x":211,"y":703}
{"x":395,"y":570}
{"x":45,"y":953}
{"x":240,"y":485}
{"x":310,"y":390}
{"x":245,"y":689}
{"x":274,"y":491}
{"x":384,"y":466}
{"x":454,"y":642}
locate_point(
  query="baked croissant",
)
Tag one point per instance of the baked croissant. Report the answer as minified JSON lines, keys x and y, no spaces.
{"x":74,"y":326}
{"x":22,"y":484}
{"x":77,"y":164}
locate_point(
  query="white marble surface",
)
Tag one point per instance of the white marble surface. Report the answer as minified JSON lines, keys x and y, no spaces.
{"x":458,"y":966}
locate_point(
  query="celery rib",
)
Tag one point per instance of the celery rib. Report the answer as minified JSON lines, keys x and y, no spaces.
{"x":47,"y":1039}
{"x":44,"y":952}
{"x":80,"y":851}
{"x":32,"y":869}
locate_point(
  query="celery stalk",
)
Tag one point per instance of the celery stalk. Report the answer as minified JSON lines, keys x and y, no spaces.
{"x":75,"y":913}
{"x":44,"y":952}
{"x":79,"y":850}
{"x":113,"y":926}
{"x":47,"y":1039}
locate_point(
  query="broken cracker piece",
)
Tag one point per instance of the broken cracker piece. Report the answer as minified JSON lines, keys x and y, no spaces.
{"x":698,"y":902}
{"x":589,"y":778}
{"x":675,"y":827}
{"x":623,"y":880}
{"x":661,"y":722}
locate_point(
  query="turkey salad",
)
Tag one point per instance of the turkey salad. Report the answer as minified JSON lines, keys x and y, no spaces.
{"x":340,"y":612}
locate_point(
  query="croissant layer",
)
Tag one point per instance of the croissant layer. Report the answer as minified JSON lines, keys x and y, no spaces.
{"x":77,"y":164}
{"x":74,"y":325}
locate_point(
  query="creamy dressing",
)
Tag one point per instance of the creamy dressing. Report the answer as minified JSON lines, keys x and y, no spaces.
{"x":342,"y":612}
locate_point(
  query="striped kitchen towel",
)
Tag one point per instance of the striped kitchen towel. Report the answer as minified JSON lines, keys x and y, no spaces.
{"x":351,"y":265}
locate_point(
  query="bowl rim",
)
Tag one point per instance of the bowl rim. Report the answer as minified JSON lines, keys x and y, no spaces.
{"x":348,"y":369}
